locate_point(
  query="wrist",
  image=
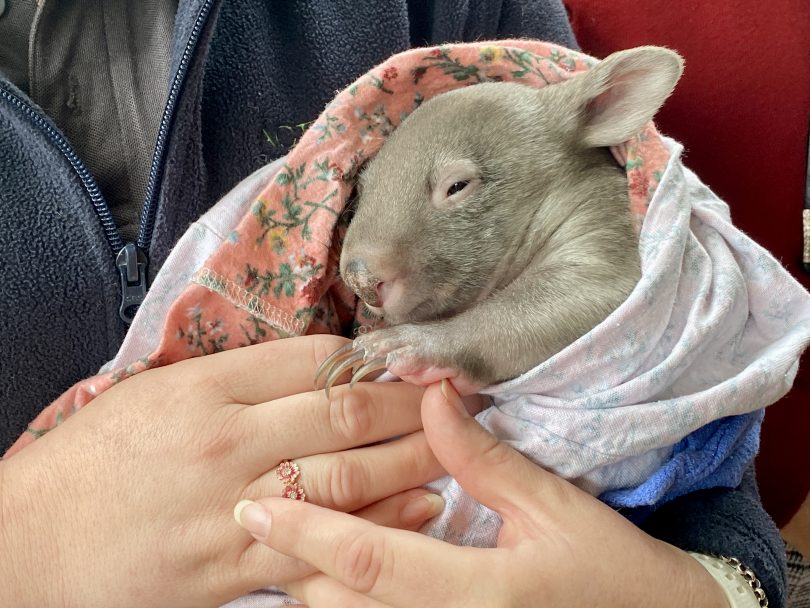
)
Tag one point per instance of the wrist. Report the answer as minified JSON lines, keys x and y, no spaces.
{"x":690,"y":584}
{"x":703,"y":589}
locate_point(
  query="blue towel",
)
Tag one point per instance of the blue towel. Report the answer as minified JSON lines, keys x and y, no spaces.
{"x":715,"y":455}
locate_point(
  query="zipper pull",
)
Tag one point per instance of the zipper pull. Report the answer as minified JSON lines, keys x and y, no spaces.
{"x":131,"y":263}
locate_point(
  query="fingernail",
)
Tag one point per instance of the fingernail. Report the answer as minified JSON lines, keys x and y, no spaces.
{"x":452,"y":398}
{"x":422,"y":508}
{"x":253,"y":517}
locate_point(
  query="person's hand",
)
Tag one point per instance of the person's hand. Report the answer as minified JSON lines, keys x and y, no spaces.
{"x":130,"y":501}
{"x":558,"y":547}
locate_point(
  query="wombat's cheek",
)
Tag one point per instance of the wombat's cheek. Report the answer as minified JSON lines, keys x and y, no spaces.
{"x":418,"y":300}
{"x":391,"y":292}
{"x":396,"y":300}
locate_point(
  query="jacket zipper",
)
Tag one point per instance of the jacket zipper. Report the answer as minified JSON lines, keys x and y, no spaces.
{"x":147,"y":224}
{"x":131,"y":262}
{"x":131,"y":259}
{"x":44,"y":124}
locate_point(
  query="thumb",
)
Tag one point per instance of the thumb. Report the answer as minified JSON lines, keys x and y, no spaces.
{"x":489,"y":470}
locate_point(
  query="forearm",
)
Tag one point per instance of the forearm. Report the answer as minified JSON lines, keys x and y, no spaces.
{"x":685,"y":583}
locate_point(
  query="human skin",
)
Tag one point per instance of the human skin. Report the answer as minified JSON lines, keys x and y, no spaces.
{"x":558,"y":547}
{"x":131,"y":497}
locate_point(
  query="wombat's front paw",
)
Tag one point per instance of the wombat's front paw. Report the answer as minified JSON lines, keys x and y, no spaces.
{"x":408,"y":351}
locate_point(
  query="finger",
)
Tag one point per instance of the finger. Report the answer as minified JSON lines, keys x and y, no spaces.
{"x":268,"y":371}
{"x":353,"y":479}
{"x":489,"y":470}
{"x":395,"y":567}
{"x":315,"y":424}
{"x":406,"y":511}
{"x":320,"y":591}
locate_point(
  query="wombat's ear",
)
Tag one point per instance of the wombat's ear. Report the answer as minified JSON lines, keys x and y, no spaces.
{"x":619,"y":95}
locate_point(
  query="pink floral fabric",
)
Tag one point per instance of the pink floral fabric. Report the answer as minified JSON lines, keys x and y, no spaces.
{"x":276,"y":276}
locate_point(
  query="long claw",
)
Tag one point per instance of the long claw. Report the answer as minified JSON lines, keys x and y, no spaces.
{"x":339,"y":368}
{"x":370,"y":367}
{"x":340,"y":354}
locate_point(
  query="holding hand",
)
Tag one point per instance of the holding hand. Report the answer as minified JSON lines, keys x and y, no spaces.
{"x":558,"y":547}
{"x":131,"y":497}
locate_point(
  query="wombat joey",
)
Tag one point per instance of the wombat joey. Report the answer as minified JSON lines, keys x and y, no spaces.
{"x":493,"y":227}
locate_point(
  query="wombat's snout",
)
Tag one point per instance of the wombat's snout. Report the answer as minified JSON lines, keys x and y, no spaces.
{"x":365,"y":283}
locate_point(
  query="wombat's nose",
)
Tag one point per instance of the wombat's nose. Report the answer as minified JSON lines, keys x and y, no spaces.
{"x":364,"y":283}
